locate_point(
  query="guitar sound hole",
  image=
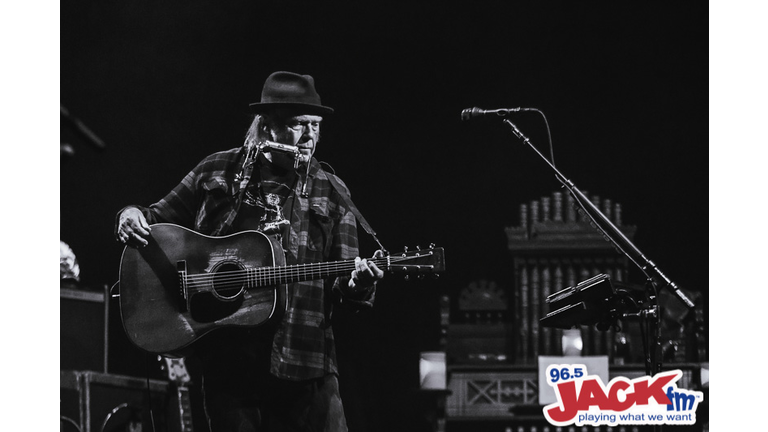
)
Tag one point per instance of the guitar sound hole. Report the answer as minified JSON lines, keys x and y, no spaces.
{"x":228,"y":280}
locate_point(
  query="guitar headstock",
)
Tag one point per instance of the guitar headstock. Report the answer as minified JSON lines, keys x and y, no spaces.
{"x":175,"y":368}
{"x":419,"y":262}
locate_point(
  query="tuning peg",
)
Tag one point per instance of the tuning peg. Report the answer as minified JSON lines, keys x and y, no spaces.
{"x":418,"y":248}
{"x":405,"y":249}
{"x":431,"y":245}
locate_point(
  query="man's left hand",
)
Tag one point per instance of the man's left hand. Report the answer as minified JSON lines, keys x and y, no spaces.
{"x":366,"y":273}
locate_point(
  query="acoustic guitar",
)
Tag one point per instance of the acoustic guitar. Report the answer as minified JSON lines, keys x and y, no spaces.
{"x":185,"y":284}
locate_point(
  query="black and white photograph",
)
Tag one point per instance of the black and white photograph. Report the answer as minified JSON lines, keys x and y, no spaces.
{"x":478,"y":216}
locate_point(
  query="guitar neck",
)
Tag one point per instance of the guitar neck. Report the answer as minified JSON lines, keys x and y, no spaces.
{"x":269,"y":276}
{"x":185,"y":409}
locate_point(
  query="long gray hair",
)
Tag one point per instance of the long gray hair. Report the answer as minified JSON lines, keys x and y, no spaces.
{"x":258,"y":131}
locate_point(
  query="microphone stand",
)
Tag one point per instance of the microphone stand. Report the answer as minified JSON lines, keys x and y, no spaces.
{"x":655,"y":279}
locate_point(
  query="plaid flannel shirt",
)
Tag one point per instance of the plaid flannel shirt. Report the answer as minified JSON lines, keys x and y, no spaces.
{"x":322,"y":229}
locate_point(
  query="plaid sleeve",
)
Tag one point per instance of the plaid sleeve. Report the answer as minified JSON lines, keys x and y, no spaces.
{"x":177,"y":207}
{"x":345,"y":247}
{"x":181,"y":204}
{"x":354,"y":300}
{"x":345,"y":244}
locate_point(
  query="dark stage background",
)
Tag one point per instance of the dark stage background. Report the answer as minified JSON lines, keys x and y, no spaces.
{"x":624,"y":88}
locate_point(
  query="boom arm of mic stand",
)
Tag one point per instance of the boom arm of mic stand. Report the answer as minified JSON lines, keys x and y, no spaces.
{"x":622,"y":243}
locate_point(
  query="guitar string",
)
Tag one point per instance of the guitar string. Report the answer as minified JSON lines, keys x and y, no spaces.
{"x":270,"y":274}
{"x":277,"y":270}
{"x":261,"y":276}
{"x":263,"y":273}
{"x":313,"y":267}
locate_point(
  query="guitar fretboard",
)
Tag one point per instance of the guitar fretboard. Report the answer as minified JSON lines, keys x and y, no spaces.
{"x":185,"y":409}
{"x":268,"y":276}
{"x":413,"y":263}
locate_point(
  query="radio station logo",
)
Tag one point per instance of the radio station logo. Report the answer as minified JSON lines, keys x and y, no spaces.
{"x":585,"y":400}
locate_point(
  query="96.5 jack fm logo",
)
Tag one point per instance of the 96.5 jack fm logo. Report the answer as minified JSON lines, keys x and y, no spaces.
{"x":584,"y":399}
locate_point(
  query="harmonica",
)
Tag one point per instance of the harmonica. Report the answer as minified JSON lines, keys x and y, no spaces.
{"x":285,"y":148}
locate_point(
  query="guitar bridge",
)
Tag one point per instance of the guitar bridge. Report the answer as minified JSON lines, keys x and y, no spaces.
{"x":181,"y":269}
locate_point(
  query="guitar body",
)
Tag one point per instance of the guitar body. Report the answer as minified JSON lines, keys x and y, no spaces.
{"x":177,"y":288}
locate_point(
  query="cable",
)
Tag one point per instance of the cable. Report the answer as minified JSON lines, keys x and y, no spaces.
{"x":72,"y":422}
{"x":549,"y":135}
{"x":149,"y":392}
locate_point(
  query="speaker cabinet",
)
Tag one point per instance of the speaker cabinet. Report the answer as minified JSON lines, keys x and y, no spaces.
{"x":99,"y":402}
{"x":84,"y":333}
{"x":93,"y":339}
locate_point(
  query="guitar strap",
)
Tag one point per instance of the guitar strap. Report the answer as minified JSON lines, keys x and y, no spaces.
{"x":348,"y":201}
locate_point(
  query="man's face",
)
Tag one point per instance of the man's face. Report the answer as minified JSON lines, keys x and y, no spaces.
{"x":302,"y":131}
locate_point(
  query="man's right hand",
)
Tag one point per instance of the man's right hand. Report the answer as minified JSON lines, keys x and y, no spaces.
{"x":132,"y":228}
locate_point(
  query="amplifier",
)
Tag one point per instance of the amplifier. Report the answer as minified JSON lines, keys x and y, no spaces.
{"x":92,"y":336}
{"x":100,"y":402}
{"x":84,"y":318}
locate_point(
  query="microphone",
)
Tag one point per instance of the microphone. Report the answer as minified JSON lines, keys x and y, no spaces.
{"x":471,"y":113}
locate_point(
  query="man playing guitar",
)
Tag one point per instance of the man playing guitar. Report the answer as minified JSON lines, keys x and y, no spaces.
{"x":282,"y":374}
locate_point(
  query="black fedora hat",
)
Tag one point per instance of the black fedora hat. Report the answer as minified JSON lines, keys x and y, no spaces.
{"x":290,"y":90}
